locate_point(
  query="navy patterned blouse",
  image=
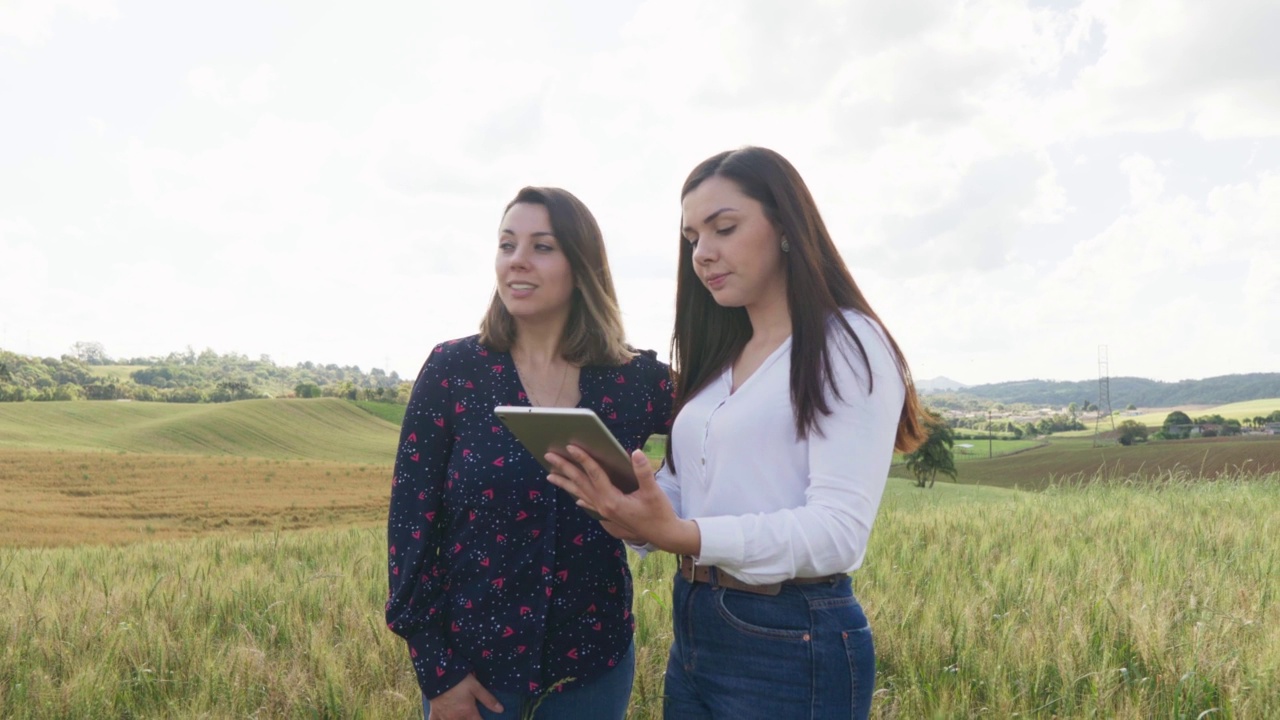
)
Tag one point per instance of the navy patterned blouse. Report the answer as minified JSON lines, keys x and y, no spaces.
{"x":494,"y":570}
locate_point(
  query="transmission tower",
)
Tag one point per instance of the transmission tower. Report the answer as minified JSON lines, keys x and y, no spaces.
{"x":1104,"y":394}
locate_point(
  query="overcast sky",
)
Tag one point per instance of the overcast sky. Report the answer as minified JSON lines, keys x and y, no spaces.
{"x":1012,"y":184}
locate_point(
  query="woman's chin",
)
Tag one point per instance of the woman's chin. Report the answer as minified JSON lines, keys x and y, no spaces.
{"x":725,"y":298}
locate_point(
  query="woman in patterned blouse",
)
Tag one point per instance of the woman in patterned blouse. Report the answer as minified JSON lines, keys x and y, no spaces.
{"x":506,"y":592}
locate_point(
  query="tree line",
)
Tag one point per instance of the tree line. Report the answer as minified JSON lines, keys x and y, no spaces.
{"x":88,"y":373}
{"x":1057,"y":422}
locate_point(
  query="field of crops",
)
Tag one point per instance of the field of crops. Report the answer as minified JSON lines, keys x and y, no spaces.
{"x":1120,"y":601}
{"x":217,"y":584}
{"x":1078,"y":459}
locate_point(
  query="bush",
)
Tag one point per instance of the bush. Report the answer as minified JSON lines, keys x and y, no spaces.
{"x":1132,"y":431}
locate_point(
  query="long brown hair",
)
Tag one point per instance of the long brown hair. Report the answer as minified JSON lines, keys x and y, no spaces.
{"x":593,"y":335}
{"x":707,"y":336}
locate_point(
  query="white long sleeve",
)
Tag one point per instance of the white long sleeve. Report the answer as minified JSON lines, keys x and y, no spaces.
{"x":771,"y":507}
{"x":670,"y":486}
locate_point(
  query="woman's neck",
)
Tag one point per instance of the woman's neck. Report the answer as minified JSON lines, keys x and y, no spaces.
{"x":538,"y":343}
{"x":770,"y":319}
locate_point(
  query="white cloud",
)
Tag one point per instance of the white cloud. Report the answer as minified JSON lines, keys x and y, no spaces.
{"x":1145,"y":181}
{"x":30,"y":22}
{"x":1168,"y":65}
{"x":1012,"y":185}
{"x":206,"y":83}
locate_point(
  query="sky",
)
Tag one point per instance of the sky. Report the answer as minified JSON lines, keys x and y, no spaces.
{"x":1012,"y":184}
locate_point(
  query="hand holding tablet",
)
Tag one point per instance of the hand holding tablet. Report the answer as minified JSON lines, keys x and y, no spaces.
{"x":545,"y":430}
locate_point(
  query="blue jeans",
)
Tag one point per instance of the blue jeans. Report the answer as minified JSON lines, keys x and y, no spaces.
{"x":605,"y":698}
{"x":804,"y":653}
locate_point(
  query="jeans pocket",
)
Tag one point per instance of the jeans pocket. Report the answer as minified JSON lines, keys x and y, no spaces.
{"x":860,"y":648}
{"x":777,"y":617}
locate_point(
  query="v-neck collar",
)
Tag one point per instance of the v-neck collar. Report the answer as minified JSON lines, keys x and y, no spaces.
{"x":784,"y":346}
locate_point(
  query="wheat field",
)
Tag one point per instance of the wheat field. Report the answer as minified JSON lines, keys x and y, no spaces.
{"x":1150,"y":599}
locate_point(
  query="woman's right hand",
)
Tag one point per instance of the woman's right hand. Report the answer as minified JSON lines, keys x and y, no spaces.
{"x":459,"y":701}
{"x":623,"y":533}
{"x":646,"y":507}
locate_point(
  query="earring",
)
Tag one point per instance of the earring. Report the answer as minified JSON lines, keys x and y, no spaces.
{"x":786,"y":246}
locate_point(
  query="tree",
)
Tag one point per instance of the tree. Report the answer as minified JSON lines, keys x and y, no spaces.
{"x":1131,"y":406}
{"x":91,"y":353}
{"x":1176,"y":425}
{"x":1132,"y":431}
{"x":935,"y":455}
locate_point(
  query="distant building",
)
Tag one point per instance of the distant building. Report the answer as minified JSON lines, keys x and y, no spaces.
{"x":1206,"y":430}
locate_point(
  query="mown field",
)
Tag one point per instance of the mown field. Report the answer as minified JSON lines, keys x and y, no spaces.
{"x":57,"y":498}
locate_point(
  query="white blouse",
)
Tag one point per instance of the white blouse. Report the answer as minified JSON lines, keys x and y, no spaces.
{"x":771,"y":507}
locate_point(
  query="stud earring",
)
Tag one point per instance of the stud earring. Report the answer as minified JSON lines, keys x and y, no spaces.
{"x":786,"y":246}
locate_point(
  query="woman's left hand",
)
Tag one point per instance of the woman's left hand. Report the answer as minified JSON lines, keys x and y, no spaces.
{"x":645,"y":514}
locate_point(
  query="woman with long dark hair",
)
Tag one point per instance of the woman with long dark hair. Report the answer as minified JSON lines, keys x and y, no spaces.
{"x":791,"y":397}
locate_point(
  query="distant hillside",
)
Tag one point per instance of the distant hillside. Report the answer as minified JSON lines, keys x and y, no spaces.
{"x":938,"y":384}
{"x":1141,"y":392}
{"x":320,"y":429}
{"x":186,"y":377}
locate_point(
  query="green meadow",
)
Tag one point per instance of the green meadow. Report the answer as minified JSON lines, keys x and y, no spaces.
{"x":119,"y":372}
{"x":1116,"y":593}
{"x":319,"y":429}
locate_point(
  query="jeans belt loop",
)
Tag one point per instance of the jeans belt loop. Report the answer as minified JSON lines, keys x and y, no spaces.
{"x":714,"y":576}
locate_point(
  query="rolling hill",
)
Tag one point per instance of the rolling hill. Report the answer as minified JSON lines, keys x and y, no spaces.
{"x":319,"y":429}
{"x":1139,"y":391}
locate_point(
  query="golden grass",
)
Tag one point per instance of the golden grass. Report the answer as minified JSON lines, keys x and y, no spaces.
{"x":1129,"y":600}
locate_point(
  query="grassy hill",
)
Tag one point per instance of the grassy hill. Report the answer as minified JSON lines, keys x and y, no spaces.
{"x":1241,"y":411}
{"x":320,"y":429}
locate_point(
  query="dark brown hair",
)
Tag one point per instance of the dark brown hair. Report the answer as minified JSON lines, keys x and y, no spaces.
{"x":708,"y":336}
{"x":593,"y":334}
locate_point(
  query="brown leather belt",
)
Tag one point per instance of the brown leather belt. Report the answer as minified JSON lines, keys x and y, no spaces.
{"x":716,"y":577}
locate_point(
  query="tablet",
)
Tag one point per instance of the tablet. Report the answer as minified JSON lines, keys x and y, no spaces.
{"x":551,"y":429}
